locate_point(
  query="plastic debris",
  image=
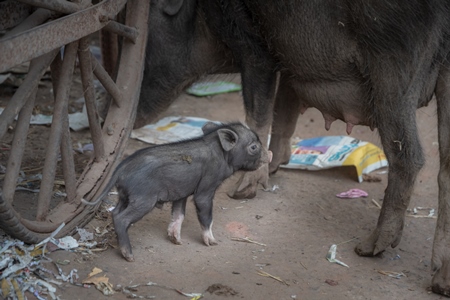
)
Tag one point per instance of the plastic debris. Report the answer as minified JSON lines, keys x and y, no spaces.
{"x":77,"y":121}
{"x":213,"y":88}
{"x":336,"y":151}
{"x":396,"y":257}
{"x":22,"y":271}
{"x":65,"y":243}
{"x":352,"y":193}
{"x":85,"y":235}
{"x":273,"y":189}
{"x":82,"y":148}
{"x":396,"y":275}
{"x":416,"y":212}
{"x":170,"y":129}
{"x":331,"y":256}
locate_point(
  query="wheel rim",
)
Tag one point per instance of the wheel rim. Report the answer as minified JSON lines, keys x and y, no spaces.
{"x":109,"y":140}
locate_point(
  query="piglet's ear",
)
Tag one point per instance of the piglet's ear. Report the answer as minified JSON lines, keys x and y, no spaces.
{"x":228,"y":138}
{"x":209,"y":127}
{"x":171,"y":7}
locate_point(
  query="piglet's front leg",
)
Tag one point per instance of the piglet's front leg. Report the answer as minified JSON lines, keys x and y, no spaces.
{"x":203,"y":204}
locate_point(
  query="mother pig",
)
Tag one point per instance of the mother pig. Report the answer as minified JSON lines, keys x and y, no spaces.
{"x":366,"y":62}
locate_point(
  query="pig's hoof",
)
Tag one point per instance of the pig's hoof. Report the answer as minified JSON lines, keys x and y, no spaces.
{"x":441,"y":280}
{"x":248,"y":183}
{"x":128,"y":256}
{"x":378,"y":241}
{"x":210,"y":242}
{"x":174,"y":230}
{"x":208,"y":238}
{"x":175,"y":240}
{"x":281,"y":155}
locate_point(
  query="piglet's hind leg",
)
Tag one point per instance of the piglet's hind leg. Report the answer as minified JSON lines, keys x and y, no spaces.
{"x":174,"y":229}
{"x":138,"y":207}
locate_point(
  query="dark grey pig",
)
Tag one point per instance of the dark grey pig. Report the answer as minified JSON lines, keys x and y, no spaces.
{"x":363,"y":62}
{"x":174,"y":171}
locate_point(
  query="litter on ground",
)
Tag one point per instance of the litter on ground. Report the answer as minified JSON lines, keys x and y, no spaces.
{"x":331,"y":256}
{"x":309,"y":154}
{"x":352,"y":193}
{"x":201,"y":89}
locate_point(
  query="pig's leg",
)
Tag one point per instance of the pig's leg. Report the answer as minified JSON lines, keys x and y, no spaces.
{"x":174,"y":229}
{"x":121,"y":204}
{"x":138,"y":206}
{"x":285,"y":115}
{"x":204,"y":206}
{"x":441,"y":245}
{"x":396,"y":122}
{"x":259,"y":90}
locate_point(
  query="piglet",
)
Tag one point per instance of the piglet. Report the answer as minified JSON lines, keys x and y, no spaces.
{"x":172,"y":172}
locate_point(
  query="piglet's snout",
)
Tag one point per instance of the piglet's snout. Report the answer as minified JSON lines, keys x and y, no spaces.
{"x":266,"y":156}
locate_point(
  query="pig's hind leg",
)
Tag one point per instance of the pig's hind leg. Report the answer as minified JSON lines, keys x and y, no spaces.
{"x":122,"y":203}
{"x":395,"y":116}
{"x":138,"y":206}
{"x":174,"y":229}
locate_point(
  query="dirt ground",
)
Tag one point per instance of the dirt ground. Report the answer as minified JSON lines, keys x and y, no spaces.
{"x":295,"y":226}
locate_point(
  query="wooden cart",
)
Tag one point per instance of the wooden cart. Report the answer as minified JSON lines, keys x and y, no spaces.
{"x":54,"y":35}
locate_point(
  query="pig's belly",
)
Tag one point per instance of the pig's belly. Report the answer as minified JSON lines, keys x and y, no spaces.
{"x":343,"y":100}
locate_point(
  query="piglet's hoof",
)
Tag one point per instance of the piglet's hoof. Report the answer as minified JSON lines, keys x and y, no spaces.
{"x":175,"y":240}
{"x":208,"y":238}
{"x":173,"y":232}
{"x":129,"y":257}
{"x":248,"y":182}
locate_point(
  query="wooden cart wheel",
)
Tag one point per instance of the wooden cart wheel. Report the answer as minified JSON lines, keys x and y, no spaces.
{"x":62,"y":44}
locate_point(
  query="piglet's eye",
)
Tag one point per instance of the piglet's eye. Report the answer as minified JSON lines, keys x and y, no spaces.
{"x":253,"y":148}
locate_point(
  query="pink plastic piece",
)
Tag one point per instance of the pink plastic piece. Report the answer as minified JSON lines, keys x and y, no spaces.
{"x":353,"y":193}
